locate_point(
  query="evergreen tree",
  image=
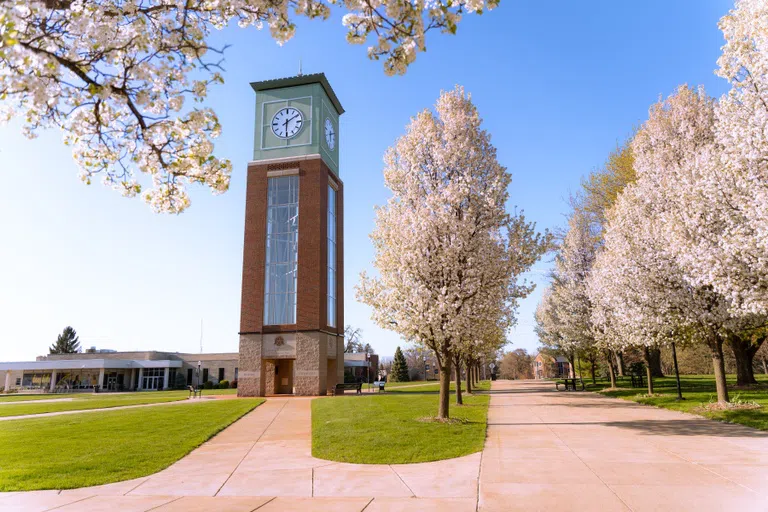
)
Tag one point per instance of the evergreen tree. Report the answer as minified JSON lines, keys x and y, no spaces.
{"x":67,"y":342}
{"x":399,"y":367}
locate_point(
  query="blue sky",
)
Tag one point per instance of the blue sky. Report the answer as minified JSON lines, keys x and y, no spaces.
{"x":558,"y":84}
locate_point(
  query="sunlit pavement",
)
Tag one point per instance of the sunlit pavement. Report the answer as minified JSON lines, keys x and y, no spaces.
{"x":545,"y":450}
{"x":549,"y":450}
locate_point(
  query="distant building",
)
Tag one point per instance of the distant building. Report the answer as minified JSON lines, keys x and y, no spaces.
{"x":117,"y":371}
{"x":361,"y":366}
{"x":548,"y":367}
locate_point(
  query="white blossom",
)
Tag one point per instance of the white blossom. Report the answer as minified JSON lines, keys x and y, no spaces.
{"x":115,"y":75}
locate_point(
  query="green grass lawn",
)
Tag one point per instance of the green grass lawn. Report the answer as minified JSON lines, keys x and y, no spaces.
{"x":65,"y":452}
{"x":434,"y":387}
{"x":85,"y":401}
{"x":698,"y":390}
{"x":396,"y":427}
{"x":409,"y":383}
{"x":15,"y":397}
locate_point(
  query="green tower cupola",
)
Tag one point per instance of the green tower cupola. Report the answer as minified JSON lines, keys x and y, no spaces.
{"x":297,"y":116}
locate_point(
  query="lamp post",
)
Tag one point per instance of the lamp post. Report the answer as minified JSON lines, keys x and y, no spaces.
{"x":425,"y":368}
{"x":199,"y":364}
{"x":677,"y":373}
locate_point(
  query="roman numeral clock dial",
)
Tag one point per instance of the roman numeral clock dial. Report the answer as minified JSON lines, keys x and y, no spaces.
{"x":287,"y":123}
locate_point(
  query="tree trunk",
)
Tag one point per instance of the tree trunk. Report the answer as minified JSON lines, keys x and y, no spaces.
{"x":648,"y":372}
{"x":470,"y":371}
{"x":593,"y":364}
{"x":457,"y":363}
{"x":571,"y":363}
{"x":611,"y":373}
{"x":655,"y":362}
{"x":620,"y":363}
{"x":445,"y":387}
{"x":765,"y":366}
{"x":718,"y":362}
{"x":744,"y":351}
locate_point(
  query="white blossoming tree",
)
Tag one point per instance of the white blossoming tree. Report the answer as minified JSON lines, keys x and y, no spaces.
{"x":564,"y":319}
{"x":736,"y":184}
{"x":126,"y":80}
{"x":682,"y":164}
{"x":448,"y":255}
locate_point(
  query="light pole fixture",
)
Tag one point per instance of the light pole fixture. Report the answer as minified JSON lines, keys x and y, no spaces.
{"x":425,"y":368}
{"x":677,"y":373}
{"x":199,"y":364}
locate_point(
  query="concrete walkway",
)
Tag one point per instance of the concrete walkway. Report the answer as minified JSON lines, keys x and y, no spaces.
{"x":561,"y":451}
{"x":544,"y":451}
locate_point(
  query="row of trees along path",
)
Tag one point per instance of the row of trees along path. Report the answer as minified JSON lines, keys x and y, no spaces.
{"x":448,"y":254}
{"x":667,"y":245}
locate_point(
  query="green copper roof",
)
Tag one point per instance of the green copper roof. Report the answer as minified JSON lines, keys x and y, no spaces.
{"x":316,"y":78}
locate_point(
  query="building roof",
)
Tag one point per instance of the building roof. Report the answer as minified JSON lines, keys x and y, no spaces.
{"x":558,"y":359}
{"x":292,"y":81}
{"x":90,"y":364}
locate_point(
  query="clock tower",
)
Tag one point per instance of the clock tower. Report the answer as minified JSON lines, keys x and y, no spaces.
{"x":292,"y":309}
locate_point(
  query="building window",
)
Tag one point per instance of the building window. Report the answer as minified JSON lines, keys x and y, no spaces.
{"x":18,"y":381}
{"x":153,"y":378}
{"x":205,"y":375}
{"x":189,"y":376}
{"x":221,"y":374}
{"x":331,"y":298}
{"x":282,"y":250}
{"x":236,"y":372}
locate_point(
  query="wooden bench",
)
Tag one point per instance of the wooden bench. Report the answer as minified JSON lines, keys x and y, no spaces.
{"x":341,"y":387}
{"x":195,"y":392}
{"x":637,"y":381}
{"x":570,"y":384}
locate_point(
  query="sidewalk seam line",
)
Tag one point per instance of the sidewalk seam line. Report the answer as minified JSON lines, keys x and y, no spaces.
{"x":367,"y":505}
{"x":273,"y":498}
{"x":164,"y":504}
{"x":413,"y":494}
{"x":71,"y":503}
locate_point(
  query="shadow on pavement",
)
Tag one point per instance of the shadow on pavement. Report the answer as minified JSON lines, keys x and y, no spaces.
{"x":685,"y":427}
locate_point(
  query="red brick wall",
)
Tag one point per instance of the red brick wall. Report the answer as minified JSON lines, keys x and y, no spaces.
{"x":313,"y":250}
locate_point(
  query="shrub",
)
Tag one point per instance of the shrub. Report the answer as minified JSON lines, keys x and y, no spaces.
{"x":208,"y":385}
{"x":223,"y":384}
{"x":637,"y":368}
{"x":180,"y":382}
{"x":233,"y":385}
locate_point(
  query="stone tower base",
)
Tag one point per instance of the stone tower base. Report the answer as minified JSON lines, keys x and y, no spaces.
{"x":301,"y":363}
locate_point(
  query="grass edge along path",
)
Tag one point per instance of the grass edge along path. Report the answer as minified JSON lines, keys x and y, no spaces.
{"x":396,"y":428}
{"x":82,"y":450}
{"x":698,"y":391}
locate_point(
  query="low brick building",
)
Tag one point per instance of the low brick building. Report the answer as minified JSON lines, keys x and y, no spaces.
{"x":118,"y":371}
{"x":549,"y":367}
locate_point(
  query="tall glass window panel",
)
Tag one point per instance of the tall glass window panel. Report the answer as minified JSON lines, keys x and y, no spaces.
{"x":282,"y":250}
{"x":331,"y":257}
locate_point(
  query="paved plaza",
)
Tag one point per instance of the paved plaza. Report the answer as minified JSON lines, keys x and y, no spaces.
{"x":544,"y":451}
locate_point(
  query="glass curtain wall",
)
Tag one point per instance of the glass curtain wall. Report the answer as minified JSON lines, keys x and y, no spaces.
{"x":282,"y":250}
{"x":331,"y":299}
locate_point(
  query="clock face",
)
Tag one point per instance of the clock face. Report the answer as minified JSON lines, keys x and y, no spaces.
{"x":330,"y":134}
{"x":287,"y":122}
